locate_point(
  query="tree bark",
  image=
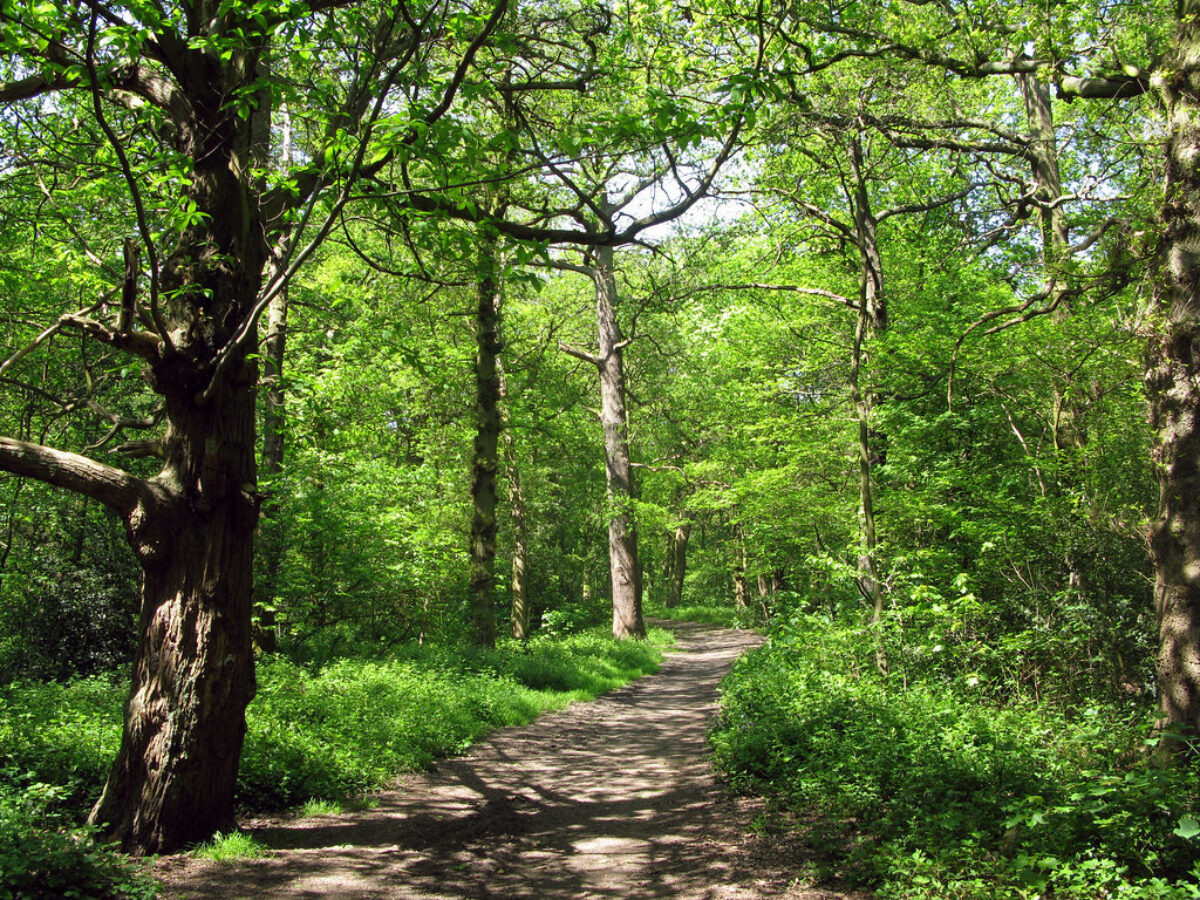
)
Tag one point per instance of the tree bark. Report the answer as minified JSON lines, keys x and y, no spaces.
{"x":624,"y":566}
{"x":871,"y":320}
{"x":519,"y":615}
{"x":174,"y":777}
{"x":271,"y":528}
{"x":1173,"y":381}
{"x":678,"y":550}
{"x":487,"y":436}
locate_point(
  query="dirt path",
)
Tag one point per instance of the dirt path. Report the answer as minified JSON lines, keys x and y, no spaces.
{"x":613,"y":798}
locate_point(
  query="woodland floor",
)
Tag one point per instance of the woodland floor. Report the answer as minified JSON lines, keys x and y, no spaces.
{"x":610,"y":799}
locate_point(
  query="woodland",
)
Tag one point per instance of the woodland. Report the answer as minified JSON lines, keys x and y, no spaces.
{"x":391,"y":352}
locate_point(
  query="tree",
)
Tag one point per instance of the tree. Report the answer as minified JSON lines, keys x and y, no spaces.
{"x":184,"y":100}
{"x":1173,"y":382}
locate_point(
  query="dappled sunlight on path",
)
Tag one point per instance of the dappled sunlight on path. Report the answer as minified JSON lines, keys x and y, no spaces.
{"x":609,"y":799}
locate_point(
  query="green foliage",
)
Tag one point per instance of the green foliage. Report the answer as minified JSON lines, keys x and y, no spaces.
{"x":951,"y":790}
{"x":65,"y":734}
{"x":42,"y":855}
{"x":722,"y":616}
{"x":327,"y":733}
{"x":355,"y":723}
{"x":235,"y":845}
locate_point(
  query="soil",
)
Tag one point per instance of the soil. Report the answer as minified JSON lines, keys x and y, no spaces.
{"x":615,"y":798}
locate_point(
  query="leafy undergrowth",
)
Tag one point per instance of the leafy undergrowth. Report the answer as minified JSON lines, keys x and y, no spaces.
{"x":357,"y":723}
{"x":932,"y":791}
{"x":326,"y":734}
{"x":723,"y":616}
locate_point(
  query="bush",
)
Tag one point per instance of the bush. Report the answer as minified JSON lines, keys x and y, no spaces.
{"x":66,"y":735}
{"x":953,"y":789}
{"x":41,"y":857}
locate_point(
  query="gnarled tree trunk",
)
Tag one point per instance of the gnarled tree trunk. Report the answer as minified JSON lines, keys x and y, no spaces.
{"x":174,"y":777}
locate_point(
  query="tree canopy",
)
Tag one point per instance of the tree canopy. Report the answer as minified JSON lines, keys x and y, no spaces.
{"x":884,"y":311}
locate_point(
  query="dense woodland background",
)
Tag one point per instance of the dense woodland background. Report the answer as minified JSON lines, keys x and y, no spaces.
{"x":884,"y":387}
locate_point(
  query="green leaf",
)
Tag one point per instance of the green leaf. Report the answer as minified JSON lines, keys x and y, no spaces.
{"x":1188,"y":828}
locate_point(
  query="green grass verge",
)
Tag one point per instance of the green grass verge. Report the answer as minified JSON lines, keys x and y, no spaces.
{"x":355,"y":724}
{"x":327,"y":734}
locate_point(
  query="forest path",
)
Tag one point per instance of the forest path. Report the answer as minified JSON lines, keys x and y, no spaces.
{"x":615,"y":798}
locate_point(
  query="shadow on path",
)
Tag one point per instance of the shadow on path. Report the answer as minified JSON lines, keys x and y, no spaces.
{"x":609,"y":799}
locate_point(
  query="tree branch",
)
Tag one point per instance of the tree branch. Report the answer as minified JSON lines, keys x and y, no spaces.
{"x":791,"y":288}
{"x":927,"y":205}
{"x":579,"y":354}
{"x":113,"y":487}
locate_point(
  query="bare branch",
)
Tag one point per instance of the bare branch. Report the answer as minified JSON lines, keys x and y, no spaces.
{"x":134,"y":192}
{"x":790,"y":288}
{"x":140,"y":343}
{"x":927,"y":205}
{"x":49,"y":333}
{"x":579,"y":354}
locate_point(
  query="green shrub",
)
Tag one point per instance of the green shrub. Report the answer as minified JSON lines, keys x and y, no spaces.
{"x":67,"y":735}
{"x":953,"y":789}
{"x":41,"y":857}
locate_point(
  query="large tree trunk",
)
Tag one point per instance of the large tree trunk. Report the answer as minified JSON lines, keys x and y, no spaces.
{"x":1173,"y":379}
{"x":174,"y":778}
{"x":624,"y":566}
{"x":175,"y":774}
{"x":487,"y":436}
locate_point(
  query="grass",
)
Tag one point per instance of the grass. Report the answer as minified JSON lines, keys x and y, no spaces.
{"x":235,"y":845}
{"x":316,"y":807}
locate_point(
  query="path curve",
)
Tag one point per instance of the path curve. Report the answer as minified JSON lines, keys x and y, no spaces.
{"x":609,"y":799}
